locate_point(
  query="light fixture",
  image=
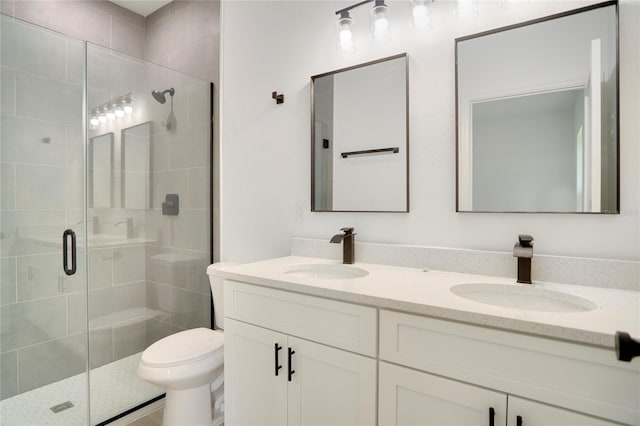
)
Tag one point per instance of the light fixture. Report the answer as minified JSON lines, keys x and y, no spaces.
{"x":379,"y":21}
{"x":110,"y":113}
{"x":94,"y":119}
{"x":126,"y":105}
{"x":102,"y":116}
{"x":421,"y":14}
{"x":118,"y":110}
{"x":345,"y":36}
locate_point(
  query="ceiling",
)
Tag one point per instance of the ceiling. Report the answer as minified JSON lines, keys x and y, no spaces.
{"x":142,"y":7}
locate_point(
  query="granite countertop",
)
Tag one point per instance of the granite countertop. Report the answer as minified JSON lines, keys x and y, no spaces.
{"x":421,"y":292}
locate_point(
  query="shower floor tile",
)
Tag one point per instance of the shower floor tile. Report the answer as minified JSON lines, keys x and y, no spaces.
{"x":115,"y":388}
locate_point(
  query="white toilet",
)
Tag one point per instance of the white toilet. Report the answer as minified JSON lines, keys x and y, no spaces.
{"x":189,"y":365}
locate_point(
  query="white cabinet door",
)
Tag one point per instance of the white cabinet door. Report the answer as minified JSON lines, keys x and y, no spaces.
{"x":254,"y":395}
{"x":330,"y":386}
{"x":523,"y":412}
{"x":409,"y":397}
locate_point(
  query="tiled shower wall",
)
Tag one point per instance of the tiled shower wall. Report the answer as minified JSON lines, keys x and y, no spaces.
{"x":138,"y":292}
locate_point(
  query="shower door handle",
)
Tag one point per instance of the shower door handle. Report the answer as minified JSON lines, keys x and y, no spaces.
{"x":65,"y":252}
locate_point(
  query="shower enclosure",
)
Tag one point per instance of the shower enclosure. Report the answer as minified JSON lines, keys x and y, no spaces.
{"x":88,"y":151}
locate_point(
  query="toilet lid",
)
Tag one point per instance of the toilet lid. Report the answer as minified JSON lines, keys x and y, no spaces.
{"x":185,"y":346}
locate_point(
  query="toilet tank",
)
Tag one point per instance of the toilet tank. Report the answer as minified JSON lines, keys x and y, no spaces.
{"x":217,"y":292}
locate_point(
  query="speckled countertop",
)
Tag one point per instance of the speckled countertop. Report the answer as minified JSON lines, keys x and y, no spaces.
{"x":429,"y":293}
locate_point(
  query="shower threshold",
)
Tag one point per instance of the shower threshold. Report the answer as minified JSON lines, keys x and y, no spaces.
{"x":115,"y":388}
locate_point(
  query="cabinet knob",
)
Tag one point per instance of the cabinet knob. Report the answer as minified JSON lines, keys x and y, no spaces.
{"x":518,"y":420}
{"x":277,"y":349}
{"x":291,"y":370}
{"x":492,"y":415}
{"x":626,"y":347}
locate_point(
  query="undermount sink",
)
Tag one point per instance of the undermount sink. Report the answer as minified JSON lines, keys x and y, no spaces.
{"x":523,"y":297}
{"x":326,"y":271}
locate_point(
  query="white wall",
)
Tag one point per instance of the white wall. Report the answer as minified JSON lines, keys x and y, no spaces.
{"x":271,"y":46}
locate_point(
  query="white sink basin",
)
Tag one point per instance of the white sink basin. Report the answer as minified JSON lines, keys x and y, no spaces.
{"x":523,"y":297}
{"x":326,"y":272}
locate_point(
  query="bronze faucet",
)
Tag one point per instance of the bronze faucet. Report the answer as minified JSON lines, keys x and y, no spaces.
{"x":348,"y":246}
{"x":523,"y":250}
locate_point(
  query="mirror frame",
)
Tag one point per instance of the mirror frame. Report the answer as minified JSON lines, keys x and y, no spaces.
{"x":90,"y":168}
{"x":617,"y":73}
{"x":313,"y":171}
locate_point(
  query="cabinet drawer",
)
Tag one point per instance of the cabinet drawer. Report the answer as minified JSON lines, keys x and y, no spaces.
{"x":578,"y":377}
{"x":338,"y":324}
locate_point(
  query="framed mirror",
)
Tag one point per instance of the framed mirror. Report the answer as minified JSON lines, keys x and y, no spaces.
{"x":136,"y":166}
{"x":537,"y":115}
{"x":100,"y":171}
{"x":359,"y":138}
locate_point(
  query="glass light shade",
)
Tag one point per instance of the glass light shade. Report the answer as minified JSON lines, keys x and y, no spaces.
{"x":119,"y":111}
{"x":111,"y":115}
{"x":102,"y":117}
{"x":94,"y":121}
{"x":127,"y":106}
{"x":345,"y":36}
{"x":421,"y":14}
{"x":379,"y":22}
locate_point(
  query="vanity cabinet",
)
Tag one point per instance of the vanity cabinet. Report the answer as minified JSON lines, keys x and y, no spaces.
{"x":276,"y":375}
{"x":473,"y":368}
{"x":409,"y":397}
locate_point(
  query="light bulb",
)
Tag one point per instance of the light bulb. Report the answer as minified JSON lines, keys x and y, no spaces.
{"x":94,"y":121}
{"x":111,"y":115}
{"x":119,"y":111}
{"x":345,"y":36}
{"x":380,"y":22}
{"x":420,"y":12}
{"x":102,"y":117}
{"x":126,"y":106}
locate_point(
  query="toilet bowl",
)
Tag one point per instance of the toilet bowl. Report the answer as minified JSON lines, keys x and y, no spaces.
{"x":188,"y":364}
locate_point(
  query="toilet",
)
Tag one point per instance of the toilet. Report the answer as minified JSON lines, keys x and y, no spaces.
{"x":189,"y":366}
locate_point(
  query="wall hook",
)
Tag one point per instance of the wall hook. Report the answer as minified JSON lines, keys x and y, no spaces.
{"x":279,"y":98}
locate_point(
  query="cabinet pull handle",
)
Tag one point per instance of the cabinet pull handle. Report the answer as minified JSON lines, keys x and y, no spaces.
{"x":291,"y":370}
{"x":492,"y":415}
{"x":518,"y":420}
{"x":65,"y":260}
{"x":278,"y":366}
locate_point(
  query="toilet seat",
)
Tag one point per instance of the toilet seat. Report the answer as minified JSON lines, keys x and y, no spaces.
{"x":183,"y":348}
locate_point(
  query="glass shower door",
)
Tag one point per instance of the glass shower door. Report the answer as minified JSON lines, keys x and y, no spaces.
{"x":43,"y":332}
{"x":149,"y":220}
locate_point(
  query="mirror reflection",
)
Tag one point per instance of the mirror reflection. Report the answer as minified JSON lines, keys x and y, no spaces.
{"x":136,"y":166}
{"x":100,"y":171}
{"x":359,"y":138}
{"x":537,"y":115}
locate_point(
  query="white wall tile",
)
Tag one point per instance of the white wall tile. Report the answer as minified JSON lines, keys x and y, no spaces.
{"x":23,"y":141}
{"x":127,"y":38}
{"x":8,"y":281}
{"x":44,"y":187}
{"x":28,"y":48}
{"x":48,"y":100}
{"x":7,"y":88}
{"x":8,"y":374}
{"x":129,"y":264}
{"x":7,"y":186}
{"x":32,"y":322}
{"x":51,"y":361}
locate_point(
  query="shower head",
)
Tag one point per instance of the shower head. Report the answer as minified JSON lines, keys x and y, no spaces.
{"x":160,"y":96}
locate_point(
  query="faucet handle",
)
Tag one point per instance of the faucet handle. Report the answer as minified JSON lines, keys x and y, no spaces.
{"x":347,"y":230}
{"x":525,"y":240}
